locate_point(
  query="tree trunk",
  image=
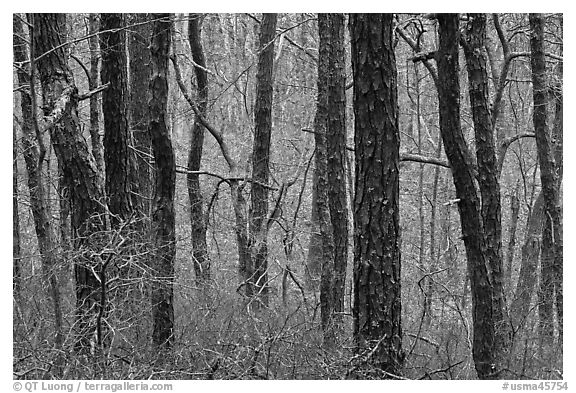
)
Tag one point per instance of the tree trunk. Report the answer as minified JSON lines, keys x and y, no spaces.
{"x":489,"y":185}
{"x":163,"y":217}
{"x":336,"y":158}
{"x":514,"y":212}
{"x":323,"y":233}
{"x":60,"y":103}
{"x":197,"y":218}
{"x":16,"y":279}
{"x":117,"y":155}
{"x":552,"y":252}
{"x":531,"y":247}
{"x":139,"y":65}
{"x":97,"y":148}
{"x":461,"y":162}
{"x":377,"y":300}
{"x":261,"y":157}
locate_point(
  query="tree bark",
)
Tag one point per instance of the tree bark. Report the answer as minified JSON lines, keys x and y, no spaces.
{"x":461,"y":162}
{"x":60,"y":98}
{"x":489,"y":185}
{"x":163,"y":218}
{"x":552,"y":248}
{"x":261,"y":157}
{"x":197,"y":218}
{"x":336,"y":158}
{"x":139,"y":66}
{"x":377,"y":299}
{"x":117,"y":155}
{"x":322,"y":229}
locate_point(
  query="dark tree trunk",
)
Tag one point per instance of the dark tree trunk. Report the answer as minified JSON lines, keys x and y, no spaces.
{"x":142,"y":177}
{"x":97,"y":148}
{"x":377,"y":301}
{"x":489,"y":185}
{"x":552,"y":251}
{"x":114,"y":108}
{"x":164,"y":215}
{"x":60,"y":99}
{"x":261,"y":157}
{"x":336,"y":158}
{"x":322,"y":229}
{"x":197,"y":218}
{"x":461,"y":162}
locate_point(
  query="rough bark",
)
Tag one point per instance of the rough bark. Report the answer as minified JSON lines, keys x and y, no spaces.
{"x":261,"y":157}
{"x":552,"y":248}
{"x":377,"y":301}
{"x":115,"y":110}
{"x":60,"y":104}
{"x":491,"y":211}
{"x":197,"y":219}
{"x":322,"y":229}
{"x":139,"y":66}
{"x":163,"y":218}
{"x":461,"y":162}
{"x":336,"y":158}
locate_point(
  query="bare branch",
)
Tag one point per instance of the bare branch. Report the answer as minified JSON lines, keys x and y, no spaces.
{"x":89,"y":94}
{"x":410,"y":41}
{"x":215,"y":133}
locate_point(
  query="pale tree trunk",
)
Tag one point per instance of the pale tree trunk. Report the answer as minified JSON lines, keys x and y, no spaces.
{"x":97,"y":148}
{"x":377,"y":299}
{"x":16,"y":279}
{"x":514,"y":212}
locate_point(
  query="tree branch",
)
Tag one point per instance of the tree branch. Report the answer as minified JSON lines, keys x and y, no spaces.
{"x":89,"y":94}
{"x":410,"y":41}
{"x":503,"y":148}
{"x":410,"y":157}
{"x":215,"y":133}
